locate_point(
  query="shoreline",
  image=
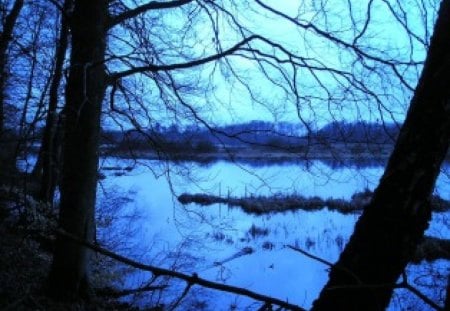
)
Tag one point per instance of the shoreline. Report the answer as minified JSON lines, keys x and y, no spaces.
{"x":258,"y":154}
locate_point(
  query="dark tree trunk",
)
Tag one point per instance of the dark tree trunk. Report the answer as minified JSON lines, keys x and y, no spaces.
{"x":5,"y":39}
{"x":48,"y":160}
{"x":69,"y":276}
{"x":6,"y":148}
{"x":392,"y":225}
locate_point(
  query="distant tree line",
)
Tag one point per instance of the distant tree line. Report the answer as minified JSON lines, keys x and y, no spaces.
{"x":70,"y":64}
{"x":260,"y":134}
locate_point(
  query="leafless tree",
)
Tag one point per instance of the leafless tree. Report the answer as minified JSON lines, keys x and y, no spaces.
{"x":9,"y":19}
{"x":171,"y":60}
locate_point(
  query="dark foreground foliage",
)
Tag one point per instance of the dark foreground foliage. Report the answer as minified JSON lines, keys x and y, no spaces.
{"x":26,"y":245}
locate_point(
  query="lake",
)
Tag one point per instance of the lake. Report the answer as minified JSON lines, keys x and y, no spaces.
{"x":141,"y":218}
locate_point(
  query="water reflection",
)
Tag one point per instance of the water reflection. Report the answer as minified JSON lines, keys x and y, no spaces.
{"x":227,"y":245}
{"x":334,"y":163}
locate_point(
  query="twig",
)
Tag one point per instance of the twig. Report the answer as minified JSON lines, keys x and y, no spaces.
{"x":325,"y":262}
{"x":111,"y":292}
{"x":424,"y":298}
{"x":185,"y":292}
{"x":190,"y":279}
{"x":404,"y":284}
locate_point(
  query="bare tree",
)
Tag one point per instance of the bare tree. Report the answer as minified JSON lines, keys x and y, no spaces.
{"x":85,"y":90}
{"x":393,"y":224}
{"x":362,"y":74}
{"x":84,"y":95}
{"x":5,"y":40}
{"x":47,"y":164}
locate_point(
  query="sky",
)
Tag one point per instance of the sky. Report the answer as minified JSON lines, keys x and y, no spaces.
{"x":329,"y":81}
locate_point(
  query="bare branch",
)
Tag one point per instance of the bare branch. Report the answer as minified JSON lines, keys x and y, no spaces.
{"x":114,"y":293}
{"x":357,"y":50}
{"x":153,"y":5}
{"x":190,"y":279}
{"x":194,"y":63}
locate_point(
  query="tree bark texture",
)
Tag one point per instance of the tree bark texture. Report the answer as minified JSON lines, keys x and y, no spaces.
{"x":393,"y":224}
{"x":69,"y":276}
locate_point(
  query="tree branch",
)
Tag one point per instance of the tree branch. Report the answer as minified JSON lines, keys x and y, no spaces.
{"x":155,"y":68}
{"x":190,"y":279}
{"x":153,"y":5}
{"x":357,"y":50}
{"x":114,"y":293}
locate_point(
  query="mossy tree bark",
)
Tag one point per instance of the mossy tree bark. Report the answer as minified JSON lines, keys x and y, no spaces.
{"x":393,"y":224}
{"x":69,"y":276}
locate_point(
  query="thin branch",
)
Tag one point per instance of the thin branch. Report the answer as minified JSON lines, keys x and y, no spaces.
{"x":325,"y":262}
{"x":421,"y":296}
{"x":404,"y":284}
{"x":153,"y":5}
{"x":194,"y":63}
{"x":114,"y":293}
{"x":183,"y":295}
{"x":357,"y":50}
{"x":190,"y":279}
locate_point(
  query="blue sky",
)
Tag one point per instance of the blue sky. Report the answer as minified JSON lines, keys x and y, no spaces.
{"x":329,"y":81}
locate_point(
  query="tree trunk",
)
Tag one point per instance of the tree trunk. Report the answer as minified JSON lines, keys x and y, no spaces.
{"x":48,"y":158}
{"x":6,"y":148}
{"x":69,"y":276}
{"x":393,"y":224}
{"x":5,"y":39}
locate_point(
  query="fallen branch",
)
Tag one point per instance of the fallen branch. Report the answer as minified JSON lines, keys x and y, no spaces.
{"x":193,"y":279}
{"x":114,"y":293}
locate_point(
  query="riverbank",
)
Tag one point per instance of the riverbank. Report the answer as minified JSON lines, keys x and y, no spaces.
{"x":332,"y":155}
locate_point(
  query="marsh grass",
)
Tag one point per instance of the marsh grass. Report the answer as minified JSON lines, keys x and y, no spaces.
{"x":283,"y":203}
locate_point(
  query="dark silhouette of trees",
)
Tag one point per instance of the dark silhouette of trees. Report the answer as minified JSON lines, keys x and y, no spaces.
{"x":5,"y":40}
{"x":392,"y":225}
{"x":28,"y":36}
{"x":9,"y":23}
{"x":47,"y":164}
{"x":84,"y":96}
{"x":125,"y":51}
{"x":86,"y":85}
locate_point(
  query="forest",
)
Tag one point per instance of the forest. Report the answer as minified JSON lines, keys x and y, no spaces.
{"x":224,"y":155}
{"x":258,"y":133}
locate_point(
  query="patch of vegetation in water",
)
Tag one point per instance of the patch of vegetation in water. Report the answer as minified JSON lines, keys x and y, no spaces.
{"x":283,"y":203}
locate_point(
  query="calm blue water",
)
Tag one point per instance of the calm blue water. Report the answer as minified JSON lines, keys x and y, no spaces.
{"x":148,"y":224}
